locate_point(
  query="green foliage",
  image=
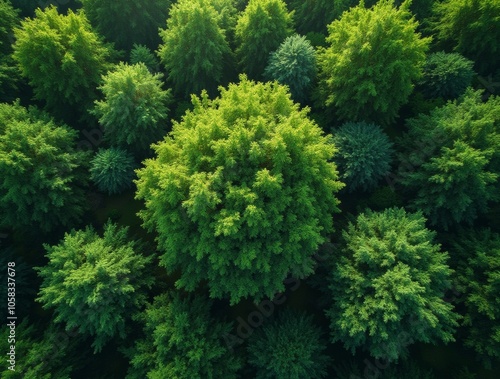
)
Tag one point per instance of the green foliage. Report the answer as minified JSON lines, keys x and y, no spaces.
{"x":126,"y":22}
{"x":446,"y":75}
{"x":365,"y":154}
{"x":94,"y":283}
{"x":194,"y":48}
{"x":315,"y":15}
{"x":41,"y":172}
{"x":478,"y":275}
{"x":112,"y":170}
{"x":290,"y":347}
{"x":8,"y":72}
{"x":134,"y":109}
{"x":452,"y":174}
{"x":455,"y":185}
{"x":182,"y":341}
{"x":472,"y":28}
{"x":316,"y":39}
{"x":39,"y":355}
{"x":228,"y":16}
{"x":293,"y":64}
{"x":62,"y":58}
{"x":387,"y":286}
{"x":141,"y":54}
{"x":373,"y":58}
{"x":8,"y":19}
{"x":422,"y":9}
{"x":261,"y":28}
{"x":241,"y":193}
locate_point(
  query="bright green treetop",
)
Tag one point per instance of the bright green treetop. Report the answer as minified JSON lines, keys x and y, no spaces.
{"x":194,"y":49}
{"x":62,"y":58}
{"x":387,"y":286}
{"x":470,"y":27}
{"x":134,"y":109}
{"x":478,"y":272}
{"x":126,"y":22}
{"x":261,"y":28}
{"x":41,"y":173}
{"x":183,"y":341}
{"x":290,"y":347}
{"x":373,"y":58}
{"x":241,"y":193}
{"x":94,"y":283}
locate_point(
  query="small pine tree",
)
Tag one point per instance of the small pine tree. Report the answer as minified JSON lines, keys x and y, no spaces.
{"x":112,"y":170}
{"x":364,"y":154}
{"x":142,"y":54}
{"x":293,"y":64}
{"x":446,"y":75}
{"x":289,"y":347}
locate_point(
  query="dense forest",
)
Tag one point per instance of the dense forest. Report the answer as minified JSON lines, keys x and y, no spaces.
{"x":218,"y":189}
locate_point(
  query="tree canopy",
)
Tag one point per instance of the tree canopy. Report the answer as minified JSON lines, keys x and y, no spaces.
{"x":182,"y":340}
{"x":472,"y":28}
{"x":134,"y":109}
{"x":62,"y":58}
{"x":112,"y":170}
{"x":293,"y":64}
{"x":241,"y":193}
{"x":94,"y":283}
{"x":372,"y":60}
{"x":9,"y":18}
{"x":388,"y":286}
{"x":478,"y":273}
{"x":194,"y":49}
{"x":289,"y":347}
{"x":42,"y":174}
{"x":446,"y":75}
{"x":365,"y":154}
{"x":126,"y":22}
{"x":452,"y":176}
{"x":261,"y":28}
